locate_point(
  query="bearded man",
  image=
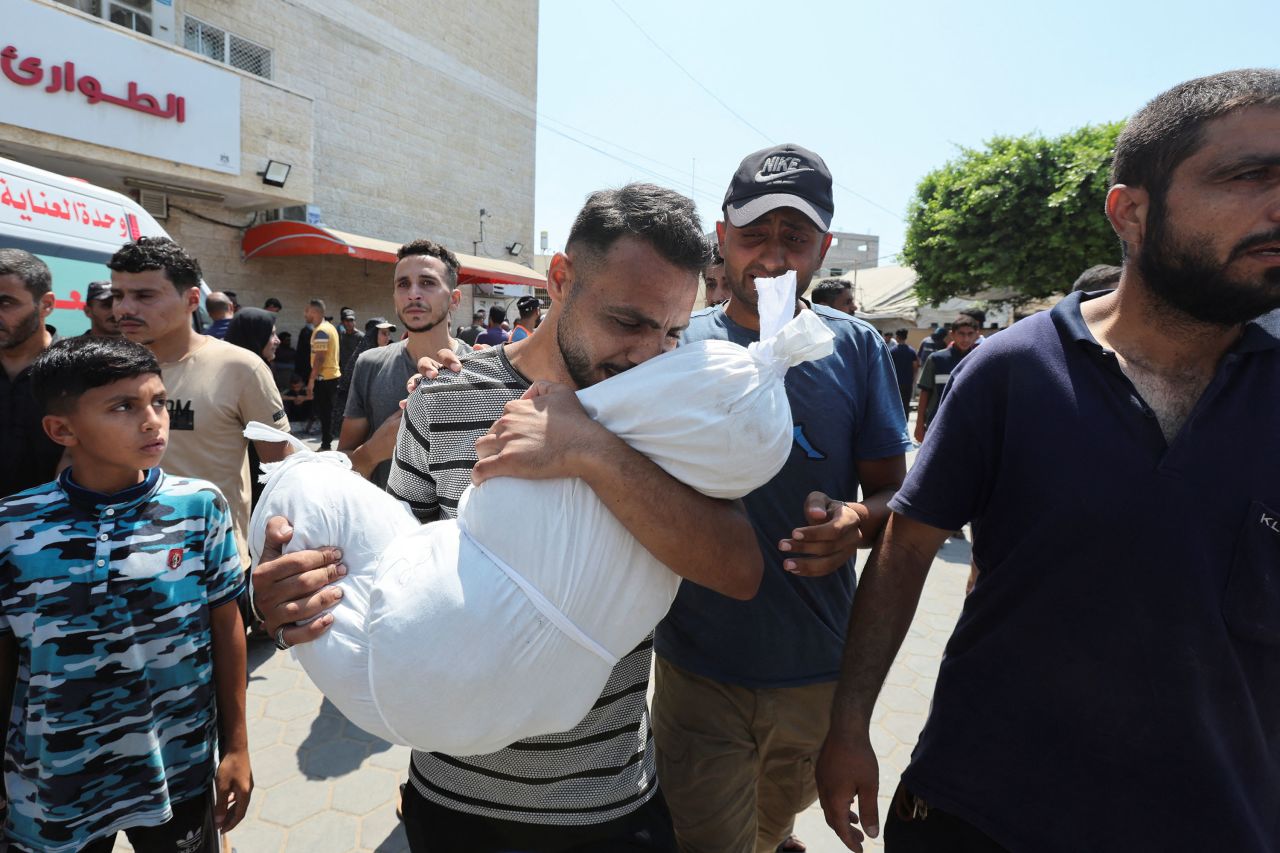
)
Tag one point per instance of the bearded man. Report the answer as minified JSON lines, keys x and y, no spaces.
{"x":1119,"y":649}
{"x":26,"y":299}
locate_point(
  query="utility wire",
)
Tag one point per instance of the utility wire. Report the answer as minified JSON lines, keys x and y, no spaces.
{"x":666,"y":178}
{"x":856,"y":194}
{"x":696,"y":81}
{"x":734,"y":112}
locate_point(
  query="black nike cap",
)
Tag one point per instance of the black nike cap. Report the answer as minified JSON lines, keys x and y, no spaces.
{"x":781,"y":176}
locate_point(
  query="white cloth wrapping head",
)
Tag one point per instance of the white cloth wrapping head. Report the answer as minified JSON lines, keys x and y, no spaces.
{"x":466,"y":635}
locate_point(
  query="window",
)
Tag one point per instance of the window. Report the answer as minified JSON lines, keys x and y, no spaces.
{"x":204,"y":39}
{"x":835,"y":271}
{"x":250,"y":57}
{"x":131,"y":14}
{"x":227,"y":48}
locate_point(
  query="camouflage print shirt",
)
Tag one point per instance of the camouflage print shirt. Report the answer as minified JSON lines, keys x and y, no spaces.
{"x":109,"y":601}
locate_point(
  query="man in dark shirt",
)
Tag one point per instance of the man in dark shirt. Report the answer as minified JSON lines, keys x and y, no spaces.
{"x":97,"y":307}
{"x":905,"y":365}
{"x":469,"y":334}
{"x":26,"y":299}
{"x":937,"y":371}
{"x":1120,"y":646}
{"x":349,"y":338}
{"x":302,"y":358}
{"x":937,"y":340}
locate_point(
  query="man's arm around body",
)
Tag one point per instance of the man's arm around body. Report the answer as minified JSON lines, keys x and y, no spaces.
{"x":546,"y":434}
{"x":701,"y":539}
{"x":882,"y":612}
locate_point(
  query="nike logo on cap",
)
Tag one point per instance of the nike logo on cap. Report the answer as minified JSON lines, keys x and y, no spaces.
{"x":762,"y":178}
{"x":777,"y":167}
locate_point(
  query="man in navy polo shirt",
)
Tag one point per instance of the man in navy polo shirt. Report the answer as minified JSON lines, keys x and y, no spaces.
{"x":938,"y":368}
{"x":743,"y":689}
{"x":1113,"y":683}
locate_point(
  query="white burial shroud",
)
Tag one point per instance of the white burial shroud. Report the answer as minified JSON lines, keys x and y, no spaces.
{"x":463,"y":636}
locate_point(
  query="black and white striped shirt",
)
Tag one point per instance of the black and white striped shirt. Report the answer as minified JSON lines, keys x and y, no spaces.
{"x":603,"y":768}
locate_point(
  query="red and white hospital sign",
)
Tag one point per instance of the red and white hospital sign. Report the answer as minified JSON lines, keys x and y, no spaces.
{"x":72,"y":77}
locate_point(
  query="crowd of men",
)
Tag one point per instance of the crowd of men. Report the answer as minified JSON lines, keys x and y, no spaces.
{"x":1117,"y":650}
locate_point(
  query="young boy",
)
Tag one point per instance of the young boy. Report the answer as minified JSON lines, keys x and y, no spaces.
{"x":117,"y":601}
{"x":296,"y":401}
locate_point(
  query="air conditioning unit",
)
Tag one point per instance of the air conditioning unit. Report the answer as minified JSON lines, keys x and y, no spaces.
{"x":157,"y":204}
{"x":308,"y":213}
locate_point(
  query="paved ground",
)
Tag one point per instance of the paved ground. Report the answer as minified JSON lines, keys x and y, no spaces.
{"x":904,"y":702}
{"x":324,"y":786}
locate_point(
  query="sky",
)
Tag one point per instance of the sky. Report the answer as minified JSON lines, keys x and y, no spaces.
{"x":677,"y":93}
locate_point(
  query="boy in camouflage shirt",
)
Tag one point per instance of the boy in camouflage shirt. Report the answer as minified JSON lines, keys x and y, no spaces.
{"x":117,"y":601}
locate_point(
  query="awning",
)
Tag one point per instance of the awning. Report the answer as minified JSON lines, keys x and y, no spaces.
{"x":289,"y":239}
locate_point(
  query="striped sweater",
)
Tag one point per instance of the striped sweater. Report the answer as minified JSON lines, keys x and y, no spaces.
{"x":604,"y":767}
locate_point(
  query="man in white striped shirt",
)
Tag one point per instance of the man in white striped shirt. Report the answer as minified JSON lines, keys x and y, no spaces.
{"x":621,"y":293}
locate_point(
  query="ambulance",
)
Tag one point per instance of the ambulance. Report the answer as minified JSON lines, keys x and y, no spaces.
{"x":71,"y":225}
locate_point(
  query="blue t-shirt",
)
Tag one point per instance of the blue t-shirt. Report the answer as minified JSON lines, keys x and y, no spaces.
{"x":1113,"y":683}
{"x":904,"y":363}
{"x":109,"y":601}
{"x":845,"y":407}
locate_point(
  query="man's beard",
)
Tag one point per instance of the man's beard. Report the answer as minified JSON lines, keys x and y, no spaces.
{"x":577,"y":361}
{"x":431,"y":324}
{"x":22,"y":332}
{"x":743,"y":288}
{"x":1185,"y":276}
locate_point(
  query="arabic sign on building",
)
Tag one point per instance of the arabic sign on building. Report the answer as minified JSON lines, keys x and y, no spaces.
{"x":35,"y":206}
{"x":68,"y":76}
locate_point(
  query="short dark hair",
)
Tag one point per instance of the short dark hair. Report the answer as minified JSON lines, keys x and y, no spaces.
{"x":979,"y":316}
{"x":1098,"y":277}
{"x":901,"y":334}
{"x":715,"y":260}
{"x":826,"y":290}
{"x":317,"y":303}
{"x":72,"y":366}
{"x":1169,"y":129}
{"x":158,"y":253}
{"x":663,"y":218}
{"x":272,"y":302}
{"x":432,"y":249}
{"x":30,"y":270}
{"x":966,"y":321}
{"x":497,"y":315}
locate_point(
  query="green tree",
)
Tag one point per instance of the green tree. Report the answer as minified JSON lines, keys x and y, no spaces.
{"x":1024,"y":214}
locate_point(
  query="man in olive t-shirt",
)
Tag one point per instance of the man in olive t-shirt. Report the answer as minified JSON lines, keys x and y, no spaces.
{"x":214,"y":388}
